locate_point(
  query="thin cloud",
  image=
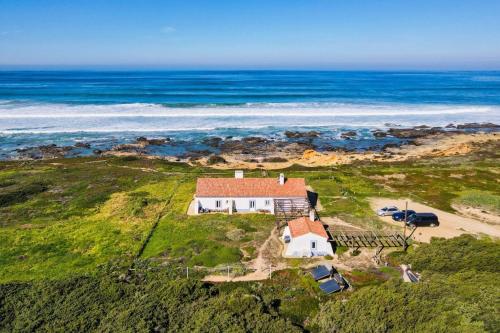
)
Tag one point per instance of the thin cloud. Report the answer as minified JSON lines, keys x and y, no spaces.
{"x":167,"y":30}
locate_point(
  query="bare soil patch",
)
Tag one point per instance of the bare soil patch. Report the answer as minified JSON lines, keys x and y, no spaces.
{"x":477,"y":214}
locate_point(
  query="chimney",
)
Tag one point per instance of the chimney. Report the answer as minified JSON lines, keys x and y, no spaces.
{"x":282,"y":179}
{"x":312,"y":215}
{"x":238,"y":174}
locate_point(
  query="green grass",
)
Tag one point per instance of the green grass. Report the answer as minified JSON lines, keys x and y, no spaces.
{"x":88,"y":215}
{"x":67,"y":216}
{"x":480,"y":199}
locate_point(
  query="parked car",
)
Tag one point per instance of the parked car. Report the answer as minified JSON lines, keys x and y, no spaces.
{"x":387,"y":211}
{"x":400,"y":216}
{"x":422,"y":220}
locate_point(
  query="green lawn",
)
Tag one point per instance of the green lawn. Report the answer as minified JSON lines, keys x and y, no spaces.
{"x":205,"y":240}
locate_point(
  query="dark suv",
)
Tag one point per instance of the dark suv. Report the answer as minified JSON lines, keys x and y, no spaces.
{"x":422,"y":220}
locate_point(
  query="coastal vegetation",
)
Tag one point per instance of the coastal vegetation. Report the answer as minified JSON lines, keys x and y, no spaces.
{"x":101,"y":244}
{"x":160,"y":298}
{"x":66,"y":216}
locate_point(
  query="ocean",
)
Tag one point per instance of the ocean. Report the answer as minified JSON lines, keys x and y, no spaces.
{"x":105,"y":108}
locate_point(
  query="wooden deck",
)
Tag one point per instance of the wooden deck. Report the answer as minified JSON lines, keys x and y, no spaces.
{"x":357,"y":239}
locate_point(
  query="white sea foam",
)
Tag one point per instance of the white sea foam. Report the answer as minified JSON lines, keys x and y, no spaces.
{"x":248,"y":110}
{"x":62,"y":118}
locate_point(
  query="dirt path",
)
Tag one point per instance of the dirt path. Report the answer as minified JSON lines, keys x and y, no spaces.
{"x":335,"y":221}
{"x":451,"y":225}
{"x":260,"y":265}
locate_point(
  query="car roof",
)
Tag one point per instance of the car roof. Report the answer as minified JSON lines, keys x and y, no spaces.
{"x":425,"y":214}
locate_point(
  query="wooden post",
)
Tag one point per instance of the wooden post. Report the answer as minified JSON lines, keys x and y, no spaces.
{"x":187,"y":272}
{"x":404,"y":230}
{"x":227,"y":273}
{"x":270,"y":271}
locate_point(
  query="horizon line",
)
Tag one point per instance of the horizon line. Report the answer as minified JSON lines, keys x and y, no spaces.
{"x":237,"y":68}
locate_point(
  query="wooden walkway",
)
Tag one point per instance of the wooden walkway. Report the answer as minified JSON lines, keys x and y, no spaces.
{"x":357,"y":239}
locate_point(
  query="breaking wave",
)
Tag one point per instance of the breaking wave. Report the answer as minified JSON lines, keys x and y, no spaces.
{"x":23,"y":117}
{"x":307,"y":110}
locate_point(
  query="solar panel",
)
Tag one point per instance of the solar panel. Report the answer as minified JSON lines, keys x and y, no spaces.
{"x":320,"y":272}
{"x":330,"y":287}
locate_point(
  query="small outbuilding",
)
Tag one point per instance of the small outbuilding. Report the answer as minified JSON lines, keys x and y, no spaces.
{"x":306,"y":237}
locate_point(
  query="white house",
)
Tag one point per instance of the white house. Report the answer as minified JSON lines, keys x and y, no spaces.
{"x":305,"y":237}
{"x":240,"y":194}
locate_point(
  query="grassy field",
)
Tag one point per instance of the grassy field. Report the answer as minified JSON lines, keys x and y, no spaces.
{"x":68,"y":216}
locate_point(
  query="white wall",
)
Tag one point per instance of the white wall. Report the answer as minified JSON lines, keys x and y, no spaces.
{"x":301,"y":246}
{"x":241,"y":204}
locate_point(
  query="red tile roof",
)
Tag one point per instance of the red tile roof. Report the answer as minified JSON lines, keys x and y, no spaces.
{"x":251,"y":187}
{"x":303,"y":225}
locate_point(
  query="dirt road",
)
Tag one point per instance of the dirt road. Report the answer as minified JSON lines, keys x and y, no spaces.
{"x":451,"y":225}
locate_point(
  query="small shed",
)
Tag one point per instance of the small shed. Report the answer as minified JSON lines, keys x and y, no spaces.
{"x":306,"y":237}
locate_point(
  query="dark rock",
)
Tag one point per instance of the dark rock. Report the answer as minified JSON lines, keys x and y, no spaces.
{"x":254,"y":140}
{"x":297,"y":135}
{"x":348,"y":134}
{"x":412,"y":133}
{"x":97,"y":152}
{"x":379,"y":134}
{"x":477,"y":126}
{"x":390,"y":145}
{"x":247,"y":145}
{"x":153,"y":142}
{"x":130,"y":148}
{"x":212,"y":141}
{"x":450,"y":126}
{"x":46,"y":151}
{"x":82,"y":145}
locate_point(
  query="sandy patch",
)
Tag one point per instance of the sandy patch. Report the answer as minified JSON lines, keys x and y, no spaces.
{"x":395,"y":176}
{"x":451,"y":225}
{"x":477,"y":214}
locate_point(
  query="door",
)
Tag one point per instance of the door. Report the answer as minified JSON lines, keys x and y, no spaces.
{"x":313,"y":246}
{"x":252,"y":205}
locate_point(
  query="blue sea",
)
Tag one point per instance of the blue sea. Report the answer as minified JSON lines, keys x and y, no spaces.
{"x":105,"y":108}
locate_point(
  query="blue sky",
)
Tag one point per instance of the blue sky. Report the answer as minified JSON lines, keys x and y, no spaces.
{"x":319,"y":34}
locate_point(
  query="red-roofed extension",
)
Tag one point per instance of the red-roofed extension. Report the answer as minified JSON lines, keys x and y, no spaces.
{"x":251,"y":188}
{"x":304,"y":225}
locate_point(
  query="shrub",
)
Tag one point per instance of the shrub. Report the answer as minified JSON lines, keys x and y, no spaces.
{"x":215,"y":159}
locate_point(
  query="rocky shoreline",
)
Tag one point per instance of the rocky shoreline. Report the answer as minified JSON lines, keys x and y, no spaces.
{"x":215,"y":150}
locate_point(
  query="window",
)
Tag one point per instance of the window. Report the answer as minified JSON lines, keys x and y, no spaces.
{"x":313,"y":245}
{"x":218,"y":203}
{"x":267,"y":202}
{"x":252,"y":204}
